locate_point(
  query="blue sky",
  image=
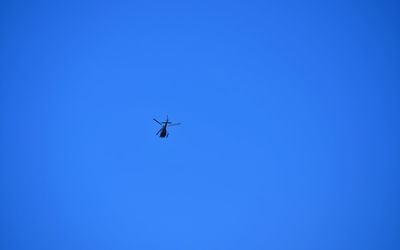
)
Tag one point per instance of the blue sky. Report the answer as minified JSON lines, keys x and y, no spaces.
{"x":290,"y":135}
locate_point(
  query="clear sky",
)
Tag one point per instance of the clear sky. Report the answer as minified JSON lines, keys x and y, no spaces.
{"x":290,"y":137}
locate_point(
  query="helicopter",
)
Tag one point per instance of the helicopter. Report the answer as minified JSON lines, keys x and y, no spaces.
{"x":164,"y":125}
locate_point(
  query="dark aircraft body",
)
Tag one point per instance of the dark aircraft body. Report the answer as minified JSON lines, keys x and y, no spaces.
{"x":163,"y":130}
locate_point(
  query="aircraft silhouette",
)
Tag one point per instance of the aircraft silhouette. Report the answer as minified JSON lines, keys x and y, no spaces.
{"x":164,"y":125}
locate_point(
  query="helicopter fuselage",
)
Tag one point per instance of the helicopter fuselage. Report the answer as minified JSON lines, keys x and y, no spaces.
{"x":164,"y":131}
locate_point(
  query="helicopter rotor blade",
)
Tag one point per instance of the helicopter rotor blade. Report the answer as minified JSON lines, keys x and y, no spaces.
{"x":157,"y":121}
{"x":159,"y":131}
{"x":175,"y":124}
